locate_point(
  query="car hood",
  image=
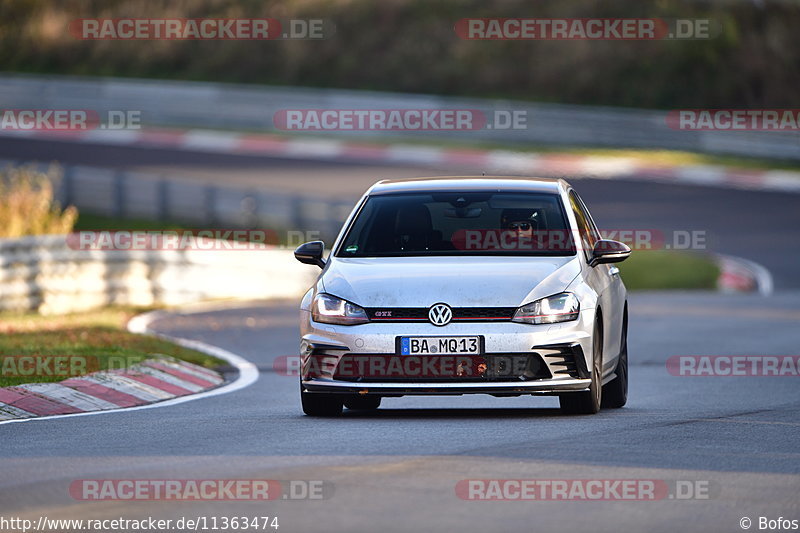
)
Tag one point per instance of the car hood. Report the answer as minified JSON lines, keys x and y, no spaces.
{"x":457,"y":281}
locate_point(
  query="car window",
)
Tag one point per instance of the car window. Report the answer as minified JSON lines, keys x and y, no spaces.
{"x":596,"y":232}
{"x":459,"y":223}
{"x":589,"y":234}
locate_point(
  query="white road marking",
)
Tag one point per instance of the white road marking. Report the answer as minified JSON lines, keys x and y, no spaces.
{"x":211,"y":141}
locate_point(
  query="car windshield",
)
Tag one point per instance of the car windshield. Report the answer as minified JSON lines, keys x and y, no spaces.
{"x":459,"y":223}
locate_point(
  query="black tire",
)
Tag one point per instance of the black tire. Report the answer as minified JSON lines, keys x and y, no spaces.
{"x":615,"y":393}
{"x":362,"y":403}
{"x":588,"y":402}
{"x":321,"y":404}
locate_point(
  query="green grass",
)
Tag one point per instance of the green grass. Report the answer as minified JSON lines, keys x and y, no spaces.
{"x":644,"y":156}
{"x":661,"y":270}
{"x":90,"y":222}
{"x":98,"y":337}
{"x":277,"y":236}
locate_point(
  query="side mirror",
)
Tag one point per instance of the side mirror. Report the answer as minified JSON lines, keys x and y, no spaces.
{"x":310,"y":253}
{"x":608,"y":251}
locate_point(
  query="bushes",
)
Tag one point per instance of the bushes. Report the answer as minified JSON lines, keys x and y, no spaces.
{"x":27,"y":205}
{"x":411,"y":46}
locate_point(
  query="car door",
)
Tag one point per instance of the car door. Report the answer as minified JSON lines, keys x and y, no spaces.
{"x":604,"y":279}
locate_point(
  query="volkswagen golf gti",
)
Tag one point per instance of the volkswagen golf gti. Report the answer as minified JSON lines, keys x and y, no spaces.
{"x":468,"y":285}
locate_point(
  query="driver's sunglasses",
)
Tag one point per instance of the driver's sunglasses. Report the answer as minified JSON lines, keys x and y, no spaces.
{"x":520,"y":226}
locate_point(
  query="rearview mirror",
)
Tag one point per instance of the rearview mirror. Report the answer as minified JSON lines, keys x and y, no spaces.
{"x":608,"y":251}
{"x":310,"y":253}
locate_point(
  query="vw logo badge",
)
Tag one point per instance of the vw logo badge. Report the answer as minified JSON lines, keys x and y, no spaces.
{"x":440,"y":314}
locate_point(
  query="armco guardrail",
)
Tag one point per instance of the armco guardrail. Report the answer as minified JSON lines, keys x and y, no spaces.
{"x":227,"y":106}
{"x":138,"y":195}
{"x":44,"y":274}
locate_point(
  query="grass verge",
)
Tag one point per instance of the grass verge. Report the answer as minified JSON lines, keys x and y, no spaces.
{"x":91,"y":222}
{"x":96,"y":336}
{"x":644,"y":156}
{"x":662,"y":269}
{"x":272,"y":235}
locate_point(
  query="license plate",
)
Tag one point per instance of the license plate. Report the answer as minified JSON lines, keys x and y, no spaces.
{"x":441,"y":345}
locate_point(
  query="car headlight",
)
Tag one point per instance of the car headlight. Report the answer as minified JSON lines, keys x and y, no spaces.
{"x":557,"y":308}
{"x":332,"y":310}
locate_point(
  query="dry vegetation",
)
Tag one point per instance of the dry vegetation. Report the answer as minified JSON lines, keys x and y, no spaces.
{"x":28,"y":205}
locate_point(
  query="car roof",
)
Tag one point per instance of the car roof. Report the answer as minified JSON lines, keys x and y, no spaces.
{"x":469,"y":183}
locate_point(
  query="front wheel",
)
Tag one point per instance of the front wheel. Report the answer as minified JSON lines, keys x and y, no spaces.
{"x":320,"y":404}
{"x":615,"y":393}
{"x":588,"y":402}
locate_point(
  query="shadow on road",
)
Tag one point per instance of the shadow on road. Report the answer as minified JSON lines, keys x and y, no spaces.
{"x":458,"y":413}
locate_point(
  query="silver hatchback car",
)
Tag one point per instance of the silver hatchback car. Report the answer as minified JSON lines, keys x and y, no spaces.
{"x":450,"y":286}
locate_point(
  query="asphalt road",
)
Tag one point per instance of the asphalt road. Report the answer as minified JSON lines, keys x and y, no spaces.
{"x":397,"y":469}
{"x":733,"y":438}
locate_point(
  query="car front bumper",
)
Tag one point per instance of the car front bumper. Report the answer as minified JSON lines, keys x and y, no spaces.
{"x":562,"y":347}
{"x":504,"y":388}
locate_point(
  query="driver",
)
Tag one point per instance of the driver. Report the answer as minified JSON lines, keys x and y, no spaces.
{"x":518,"y":227}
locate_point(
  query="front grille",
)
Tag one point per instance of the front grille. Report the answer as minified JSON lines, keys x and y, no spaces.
{"x":460,"y":314}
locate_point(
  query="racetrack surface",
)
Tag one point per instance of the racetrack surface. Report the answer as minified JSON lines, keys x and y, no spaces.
{"x":396,"y":469}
